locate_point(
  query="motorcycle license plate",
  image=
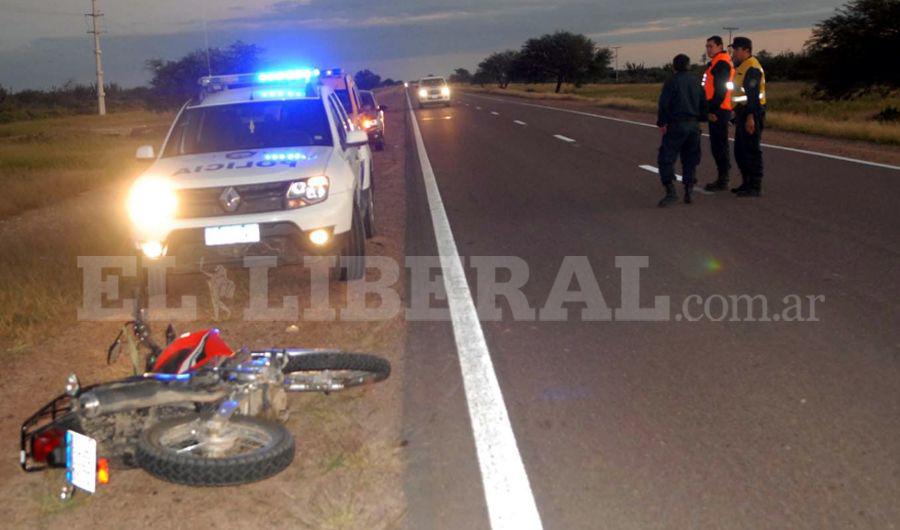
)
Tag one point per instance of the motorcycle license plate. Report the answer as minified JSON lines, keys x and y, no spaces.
{"x":81,"y":461}
{"x":229,"y":235}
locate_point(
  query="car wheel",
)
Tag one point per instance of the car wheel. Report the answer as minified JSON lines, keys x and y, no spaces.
{"x":351,"y":264}
{"x":369,"y":198}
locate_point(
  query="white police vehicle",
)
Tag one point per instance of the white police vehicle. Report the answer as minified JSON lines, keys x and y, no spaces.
{"x":258,"y":164}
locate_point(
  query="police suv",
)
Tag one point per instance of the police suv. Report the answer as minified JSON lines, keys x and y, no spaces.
{"x":258,"y":164}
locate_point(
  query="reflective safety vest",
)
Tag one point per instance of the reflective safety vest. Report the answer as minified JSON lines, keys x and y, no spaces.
{"x":739,"y":96}
{"x":709,"y":83}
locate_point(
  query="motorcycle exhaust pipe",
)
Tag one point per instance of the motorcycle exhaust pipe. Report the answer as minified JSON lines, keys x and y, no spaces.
{"x":129,"y":396}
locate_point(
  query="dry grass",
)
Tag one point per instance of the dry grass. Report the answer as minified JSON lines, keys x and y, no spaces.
{"x":790,"y":107}
{"x":45,"y":161}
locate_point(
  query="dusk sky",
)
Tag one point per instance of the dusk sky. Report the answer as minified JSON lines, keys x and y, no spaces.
{"x":44,"y":42}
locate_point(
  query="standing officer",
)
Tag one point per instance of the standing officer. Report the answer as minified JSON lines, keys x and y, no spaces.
{"x":682,"y":106}
{"x":718,"y":82}
{"x":749,"y":100}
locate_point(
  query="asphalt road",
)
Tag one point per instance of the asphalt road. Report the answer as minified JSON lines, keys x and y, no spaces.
{"x":670,"y":424}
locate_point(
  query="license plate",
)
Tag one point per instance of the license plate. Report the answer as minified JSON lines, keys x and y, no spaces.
{"x":229,"y":235}
{"x":81,"y":461}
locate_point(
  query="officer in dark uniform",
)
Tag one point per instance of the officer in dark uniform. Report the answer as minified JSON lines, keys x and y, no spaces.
{"x":718,"y":84}
{"x":682,"y":106}
{"x":749,"y":101}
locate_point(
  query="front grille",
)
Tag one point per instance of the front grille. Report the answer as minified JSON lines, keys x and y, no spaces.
{"x":255,"y":198}
{"x":434,"y":92}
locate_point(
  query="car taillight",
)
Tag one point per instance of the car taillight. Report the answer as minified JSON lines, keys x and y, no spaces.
{"x":44,"y":444}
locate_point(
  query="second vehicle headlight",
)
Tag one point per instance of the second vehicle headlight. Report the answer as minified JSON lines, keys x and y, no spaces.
{"x":152,"y":203}
{"x":445,"y":91}
{"x":423,"y":93}
{"x":307,"y":191}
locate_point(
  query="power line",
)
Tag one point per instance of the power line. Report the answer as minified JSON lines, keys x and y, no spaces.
{"x":730,"y":29}
{"x":616,"y":50}
{"x":101,"y":93}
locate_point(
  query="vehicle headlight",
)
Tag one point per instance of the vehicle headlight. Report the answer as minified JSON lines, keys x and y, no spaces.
{"x":152,"y":203}
{"x":445,"y":91}
{"x":307,"y":191}
{"x":369,"y":123}
{"x":423,"y":93}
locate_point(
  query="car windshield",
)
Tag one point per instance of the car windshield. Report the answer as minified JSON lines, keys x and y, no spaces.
{"x":254,"y":125}
{"x":368,"y":100}
{"x":344,"y":96}
{"x":433,"y":82}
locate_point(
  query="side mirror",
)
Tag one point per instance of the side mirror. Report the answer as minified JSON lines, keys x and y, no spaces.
{"x":357,"y":138}
{"x":145,"y":152}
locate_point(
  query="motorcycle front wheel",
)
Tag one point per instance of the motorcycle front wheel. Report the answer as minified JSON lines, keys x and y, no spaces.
{"x":330,"y":371}
{"x":244,"y":450}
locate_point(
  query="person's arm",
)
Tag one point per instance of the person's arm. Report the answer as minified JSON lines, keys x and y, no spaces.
{"x":752,"y":80}
{"x":721,"y":72}
{"x":705,"y":107}
{"x":665,"y":98}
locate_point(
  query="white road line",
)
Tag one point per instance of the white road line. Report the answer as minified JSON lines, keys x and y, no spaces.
{"x":563,"y":138}
{"x":644,"y":124}
{"x":495,"y":113}
{"x":519,"y":122}
{"x":477,"y":108}
{"x":654,"y":169}
{"x":507,"y":492}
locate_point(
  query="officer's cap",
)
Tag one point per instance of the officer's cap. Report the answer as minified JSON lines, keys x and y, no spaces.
{"x":743,"y":43}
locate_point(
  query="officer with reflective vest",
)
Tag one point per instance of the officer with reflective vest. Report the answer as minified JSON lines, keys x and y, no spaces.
{"x":749,"y":102}
{"x":718,"y":82}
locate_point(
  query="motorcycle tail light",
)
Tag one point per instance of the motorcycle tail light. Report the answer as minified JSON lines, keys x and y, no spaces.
{"x":103,"y":471}
{"x":44,"y":444}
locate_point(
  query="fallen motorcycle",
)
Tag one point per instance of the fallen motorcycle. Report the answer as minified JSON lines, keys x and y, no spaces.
{"x":201,"y":414}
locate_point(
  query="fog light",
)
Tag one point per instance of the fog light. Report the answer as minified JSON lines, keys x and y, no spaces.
{"x":319,"y":237}
{"x":153,"y":249}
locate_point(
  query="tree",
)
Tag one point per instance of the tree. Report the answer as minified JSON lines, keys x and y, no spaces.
{"x":852,"y":49}
{"x":498,"y":67}
{"x":786,"y":66}
{"x":461,"y":75}
{"x":175,"y":82}
{"x":367,"y":79}
{"x":562,"y":57}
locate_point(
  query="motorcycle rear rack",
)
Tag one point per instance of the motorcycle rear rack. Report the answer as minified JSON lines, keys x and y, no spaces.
{"x":36,"y":424}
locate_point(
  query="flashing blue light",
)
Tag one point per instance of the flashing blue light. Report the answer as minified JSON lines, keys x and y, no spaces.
{"x":281,"y":94}
{"x":285,"y":156}
{"x":301,"y":74}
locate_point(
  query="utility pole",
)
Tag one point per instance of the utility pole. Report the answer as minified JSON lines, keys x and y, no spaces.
{"x":730,"y":29}
{"x":101,"y":93}
{"x":616,"y":51}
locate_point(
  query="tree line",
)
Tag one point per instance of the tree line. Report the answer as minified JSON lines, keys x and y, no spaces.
{"x":845,"y":57}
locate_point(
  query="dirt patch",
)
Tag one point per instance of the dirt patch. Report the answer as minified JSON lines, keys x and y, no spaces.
{"x":348,"y":467}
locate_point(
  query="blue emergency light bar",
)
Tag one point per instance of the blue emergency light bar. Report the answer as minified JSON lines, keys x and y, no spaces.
{"x":301,"y":74}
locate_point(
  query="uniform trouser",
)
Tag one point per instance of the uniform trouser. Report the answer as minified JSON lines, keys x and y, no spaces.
{"x":718,"y":142}
{"x":747,"y":150}
{"x":681,"y":138}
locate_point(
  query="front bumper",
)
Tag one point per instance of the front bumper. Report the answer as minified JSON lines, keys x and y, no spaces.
{"x":433,"y":98}
{"x":283,"y":233}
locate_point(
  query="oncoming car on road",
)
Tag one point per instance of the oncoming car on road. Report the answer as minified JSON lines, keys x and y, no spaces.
{"x":433,"y":90}
{"x":257,"y":164}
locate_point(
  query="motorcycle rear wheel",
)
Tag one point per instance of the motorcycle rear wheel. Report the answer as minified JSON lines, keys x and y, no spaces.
{"x":170,"y":450}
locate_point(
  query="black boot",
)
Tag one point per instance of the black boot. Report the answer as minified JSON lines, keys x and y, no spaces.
{"x":720,"y":184}
{"x":688,"y":189}
{"x":749,"y":192}
{"x":670,"y":197}
{"x":741,"y":189}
